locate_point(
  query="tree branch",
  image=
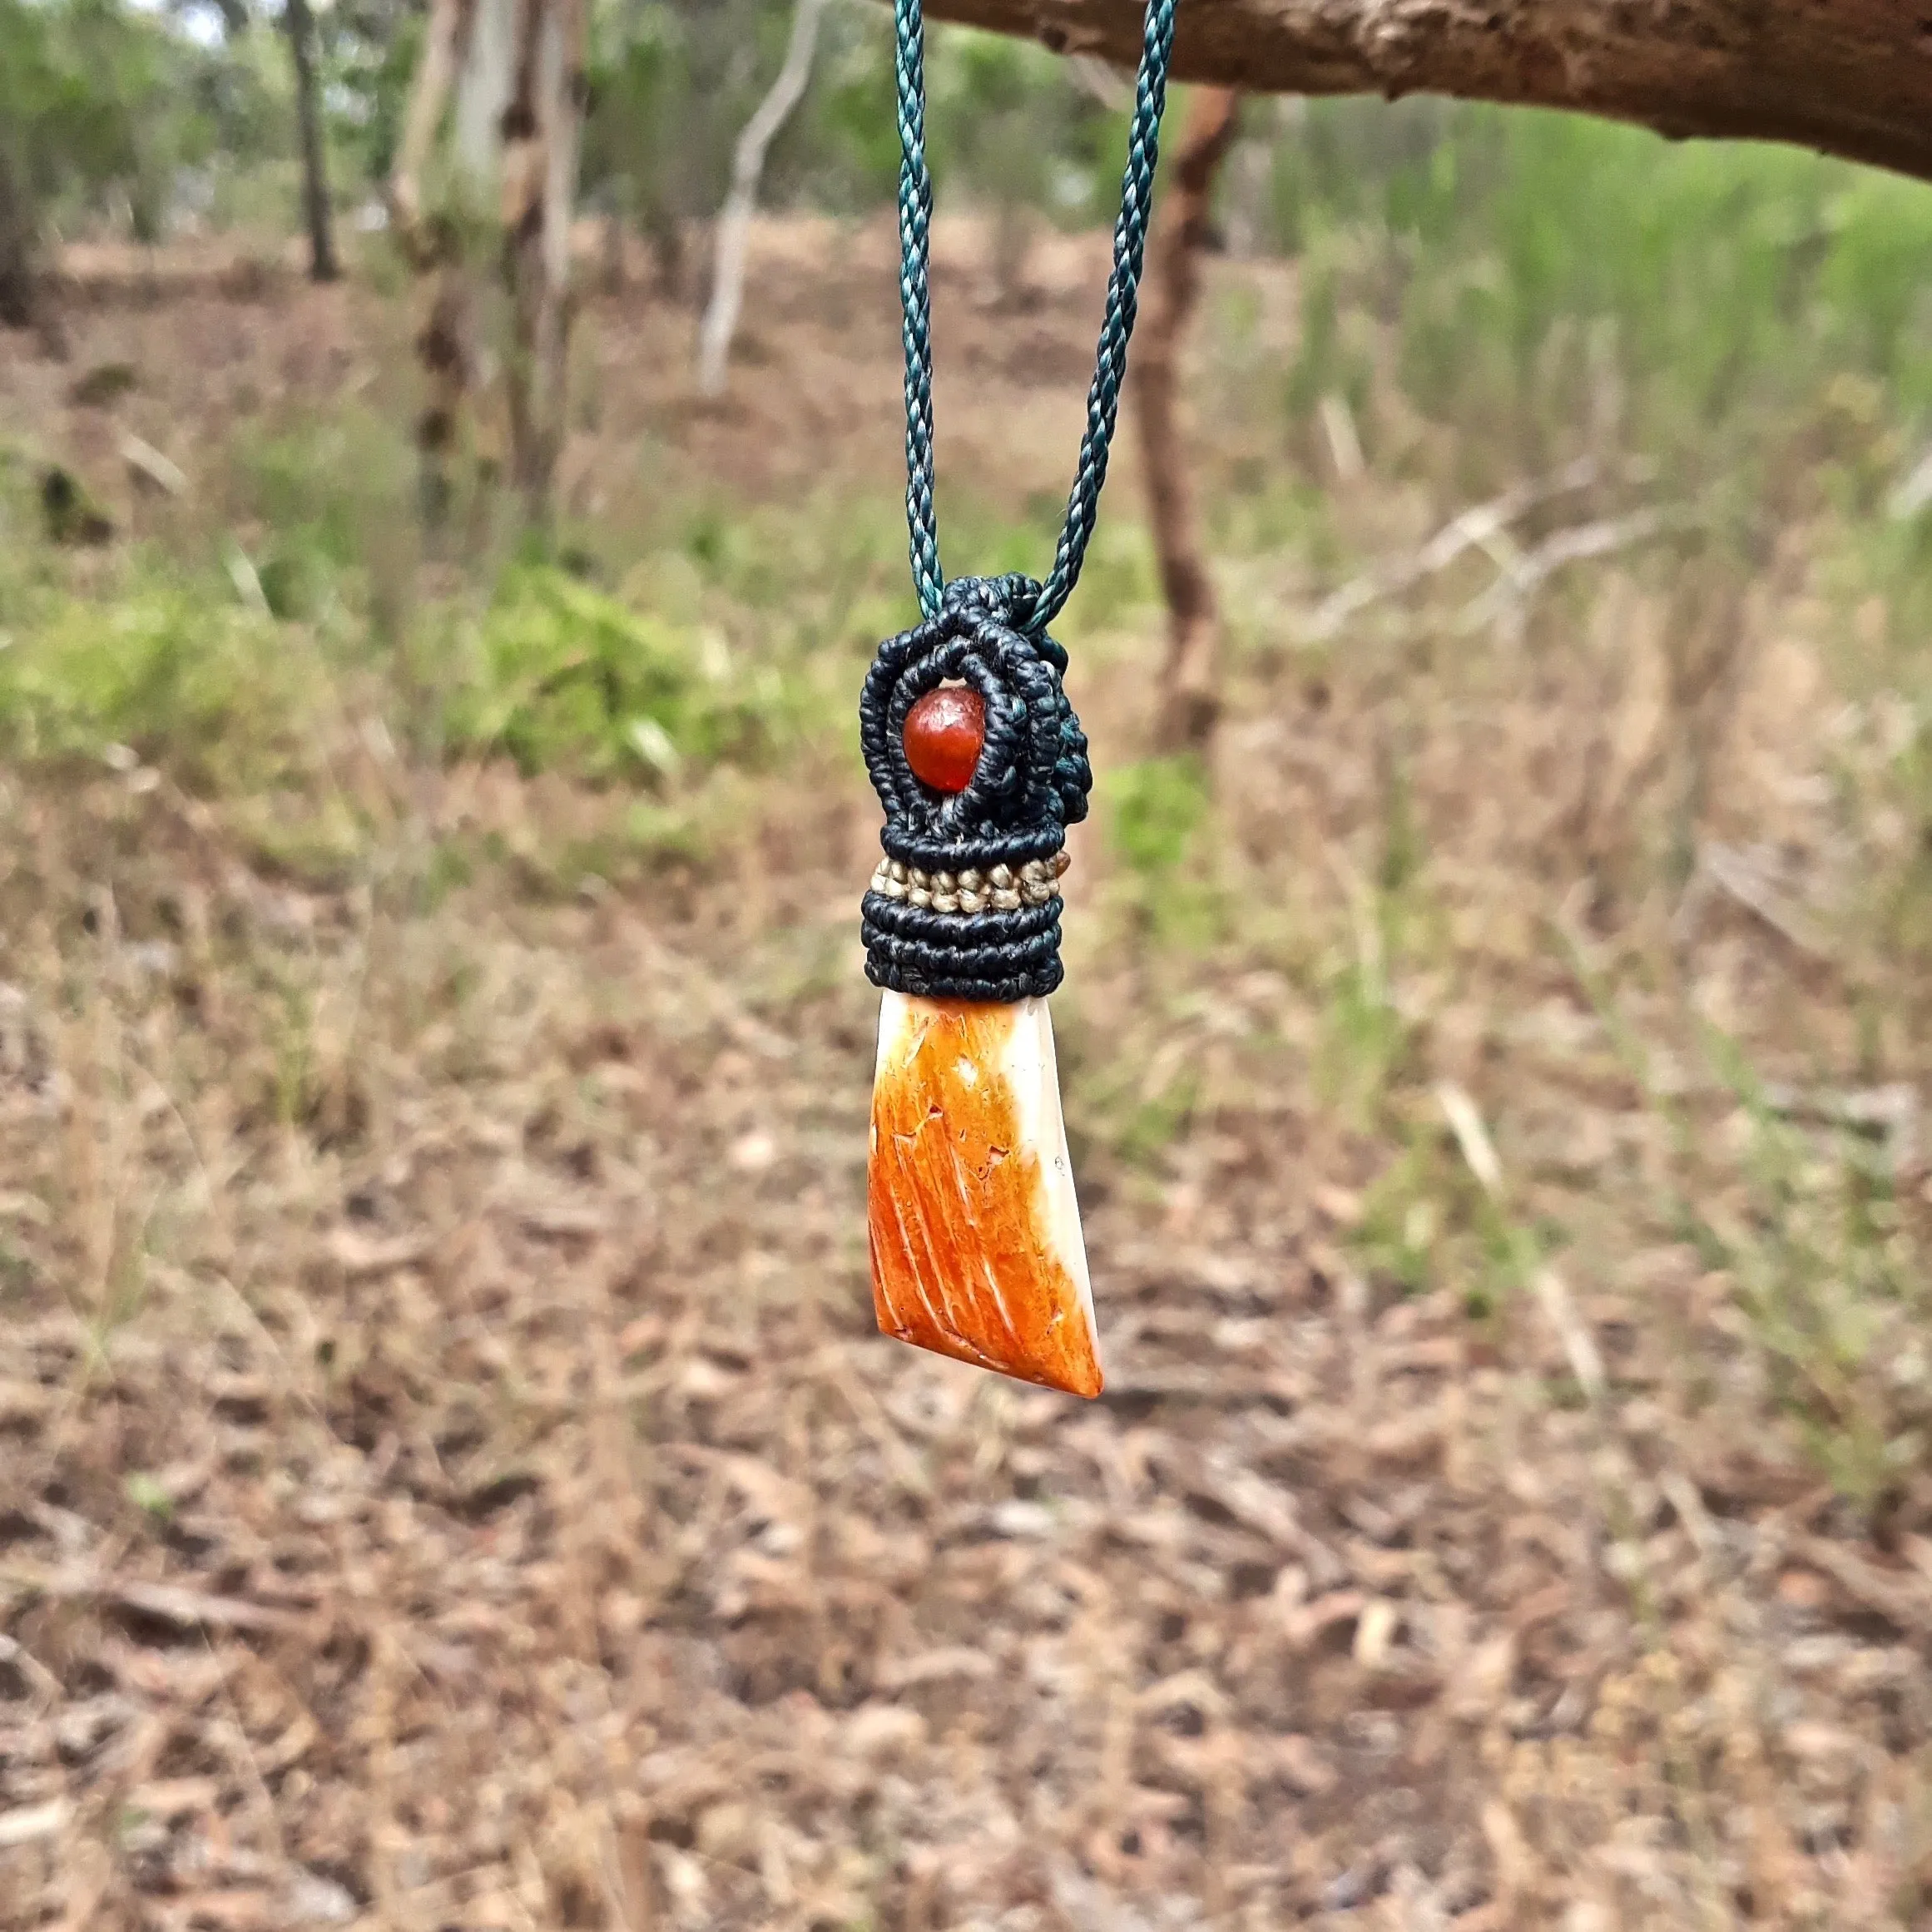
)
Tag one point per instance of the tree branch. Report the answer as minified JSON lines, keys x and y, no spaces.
{"x":1848,"y":77}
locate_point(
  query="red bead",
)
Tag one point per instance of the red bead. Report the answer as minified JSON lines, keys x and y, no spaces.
{"x":945,"y":732}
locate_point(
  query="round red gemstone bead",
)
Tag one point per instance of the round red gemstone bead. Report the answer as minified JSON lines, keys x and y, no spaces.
{"x":945,"y":732}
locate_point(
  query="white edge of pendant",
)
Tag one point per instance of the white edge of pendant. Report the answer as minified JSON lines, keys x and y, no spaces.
{"x":898,"y":1015}
{"x":1033,"y":1069}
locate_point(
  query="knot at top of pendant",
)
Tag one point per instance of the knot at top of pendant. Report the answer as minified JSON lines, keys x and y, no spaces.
{"x":1013,"y":598}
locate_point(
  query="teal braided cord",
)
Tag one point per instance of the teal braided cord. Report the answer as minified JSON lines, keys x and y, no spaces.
{"x":1116,"y":328}
{"x":915,"y":299}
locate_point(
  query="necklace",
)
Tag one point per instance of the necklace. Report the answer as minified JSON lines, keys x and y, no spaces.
{"x":981,"y":765}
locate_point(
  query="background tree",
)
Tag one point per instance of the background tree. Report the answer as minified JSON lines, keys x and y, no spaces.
{"x":24,"y":85}
{"x":1190,"y":678}
{"x":494,"y":123}
{"x":298,"y":22}
{"x":101,"y":106}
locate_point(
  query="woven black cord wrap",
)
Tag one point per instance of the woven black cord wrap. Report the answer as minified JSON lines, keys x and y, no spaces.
{"x":1011,"y":820}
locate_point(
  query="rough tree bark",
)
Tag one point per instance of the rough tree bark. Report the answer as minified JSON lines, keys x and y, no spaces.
{"x":1850,"y":77}
{"x":300,"y":23}
{"x":444,"y":335}
{"x":543,"y":128}
{"x":1190,"y":680}
{"x":515,"y":71}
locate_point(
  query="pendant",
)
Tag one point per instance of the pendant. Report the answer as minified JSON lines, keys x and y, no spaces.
{"x":974,"y":1225}
{"x":974,"y":1229}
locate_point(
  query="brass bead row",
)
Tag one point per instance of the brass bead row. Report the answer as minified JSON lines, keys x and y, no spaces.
{"x":1002,"y":888}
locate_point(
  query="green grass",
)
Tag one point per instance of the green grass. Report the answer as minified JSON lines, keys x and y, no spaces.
{"x":1531,"y":272}
{"x":1833,"y":1270}
{"x":169,"y":670}
{"x":558,"y":675}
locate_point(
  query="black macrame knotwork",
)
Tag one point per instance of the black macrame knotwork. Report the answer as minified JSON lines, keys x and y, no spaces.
{"x":1000,"y":839}
{"x":966,"y":904}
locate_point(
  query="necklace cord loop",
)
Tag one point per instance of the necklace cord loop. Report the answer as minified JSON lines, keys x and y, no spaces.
{"x":1028,"y":606}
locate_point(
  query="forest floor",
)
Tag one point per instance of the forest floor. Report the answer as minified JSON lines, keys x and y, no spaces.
{"x":449,"y":1477}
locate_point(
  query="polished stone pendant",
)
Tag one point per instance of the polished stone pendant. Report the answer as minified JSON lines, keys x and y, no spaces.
{"x":980,"y":762}
{"x":977,"y":1251}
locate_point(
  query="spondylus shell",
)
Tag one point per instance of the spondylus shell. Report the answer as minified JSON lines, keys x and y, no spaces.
{"x":977,"y":1251}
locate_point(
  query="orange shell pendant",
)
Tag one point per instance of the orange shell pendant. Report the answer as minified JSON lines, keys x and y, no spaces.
{"x":977,"y":1251}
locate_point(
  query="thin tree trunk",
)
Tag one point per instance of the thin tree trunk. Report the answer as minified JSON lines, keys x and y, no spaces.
{"x":721,"y":321}
{"x":301,"y":29}
{"x":445,"y":46}
{"x":542,"y":128}
{"x":566,"y":95}
{"x":522,"y":208}
{"x":665,"y":233}
{"x":516,"y":68}
{"x":483,"y":88}
{"x":446,"y":296}
{"x":1190,"y":679}
{"x":617,"y":250}
{"x":18,"y":237}
{"x":443,"y":347}
{"x":1851,"y":77}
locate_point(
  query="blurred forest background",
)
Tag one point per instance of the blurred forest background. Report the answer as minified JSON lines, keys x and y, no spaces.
{"x":448,"y":1476}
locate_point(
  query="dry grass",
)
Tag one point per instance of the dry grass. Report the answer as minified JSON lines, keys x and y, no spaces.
{"x":447,"y":1477}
